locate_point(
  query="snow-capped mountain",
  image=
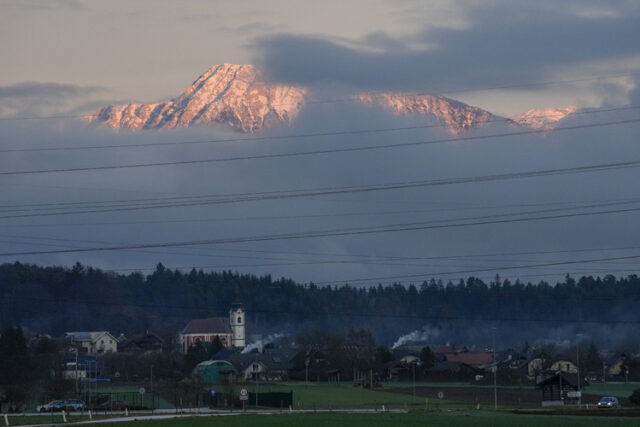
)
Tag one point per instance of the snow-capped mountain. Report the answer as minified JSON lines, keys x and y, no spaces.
{"x":456,"y":115}
{"x":546,"y":118}
{"x":237,"y":96}
{"x":229,"y":94}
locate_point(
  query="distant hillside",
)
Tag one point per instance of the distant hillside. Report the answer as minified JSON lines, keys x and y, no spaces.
{"x":58,"y":299}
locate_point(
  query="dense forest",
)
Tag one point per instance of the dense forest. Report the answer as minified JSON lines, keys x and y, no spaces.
{"x":58,"y":299}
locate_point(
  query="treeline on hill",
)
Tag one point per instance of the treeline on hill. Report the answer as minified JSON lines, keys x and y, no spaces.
{"x":59,"y":299}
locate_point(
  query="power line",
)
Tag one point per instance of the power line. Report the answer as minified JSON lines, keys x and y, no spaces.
{"x":368,"y":258}
{"x":321,"y":233}
{"x":467,"y":206}
{"x":299,"y":217}
{"x":484,"y":270}
{"x":289,"y":136}
{"x":321,"y":152}
{"x":323,"y":191}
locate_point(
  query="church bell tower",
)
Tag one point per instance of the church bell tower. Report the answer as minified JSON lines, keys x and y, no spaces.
{"x":237,"y":321}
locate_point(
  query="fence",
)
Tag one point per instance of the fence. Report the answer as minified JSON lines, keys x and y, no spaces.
{"x":93,"y":400}
{"x":271,"y":399}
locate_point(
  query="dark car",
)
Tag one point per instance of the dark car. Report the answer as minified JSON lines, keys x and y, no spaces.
{"x":608,"y":402}
{"x":112,"y":405}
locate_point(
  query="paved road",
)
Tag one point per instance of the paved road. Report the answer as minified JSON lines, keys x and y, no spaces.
{"x":206,"y":412}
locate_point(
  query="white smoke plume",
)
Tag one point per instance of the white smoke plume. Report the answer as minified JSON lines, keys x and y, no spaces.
{"x":425,"y":334}
{"x":260,"y":343}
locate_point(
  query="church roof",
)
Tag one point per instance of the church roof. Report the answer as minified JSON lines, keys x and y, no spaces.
{"x":211,"y":325}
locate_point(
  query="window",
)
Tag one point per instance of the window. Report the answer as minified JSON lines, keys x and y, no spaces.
{"x":239,"y":320}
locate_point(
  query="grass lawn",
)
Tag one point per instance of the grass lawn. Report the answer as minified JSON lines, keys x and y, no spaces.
{"x":131,"y":396}
{"x":55,"y":418}
{"x":611,"y":389}
{"x":409,"y":384}
{"x":345,"y":395}
{"x":459,"y":419}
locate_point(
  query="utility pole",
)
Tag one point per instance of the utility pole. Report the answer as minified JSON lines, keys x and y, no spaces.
{"x":413,"y":368}
{"x":77,"y":388}
{"x":255,"y":371}
{"x":151,"y":387}
{"x":578,"y":360}
{"x":495,"y":372}
{"x":306,"y":372}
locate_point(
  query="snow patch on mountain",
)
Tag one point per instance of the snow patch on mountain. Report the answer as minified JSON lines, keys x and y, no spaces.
{"x":456,"y":115}
{"x":546,"y":118}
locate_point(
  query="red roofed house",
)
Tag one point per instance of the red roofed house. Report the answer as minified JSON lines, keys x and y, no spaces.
{"x":443,"y":350}
{"x":230,"y":331}
{"x":477,"y":360}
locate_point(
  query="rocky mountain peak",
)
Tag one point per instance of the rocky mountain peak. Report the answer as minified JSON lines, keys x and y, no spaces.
{"x":456,"y":115}
{"x":237,"y":96}
{"x":229,"y":94}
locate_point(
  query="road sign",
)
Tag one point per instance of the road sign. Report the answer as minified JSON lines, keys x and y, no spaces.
{"x":141,"y":390}
{"x":440,"y":395}
{"x":244,"y":394}
{"x":573,"y":394}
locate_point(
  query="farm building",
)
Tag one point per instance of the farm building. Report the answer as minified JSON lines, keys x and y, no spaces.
{"x":560,"y":389}
{"x":214,"y":372}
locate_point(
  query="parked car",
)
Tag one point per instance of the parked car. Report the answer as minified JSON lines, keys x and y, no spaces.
{"x":112,"y":405}
{"x":58,"y":405}
{"x":73,"y":405}
{"x":608,"y":402}
{"x":53,"y":406}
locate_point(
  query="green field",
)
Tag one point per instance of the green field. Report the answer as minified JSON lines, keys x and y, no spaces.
{"x":129,"y":393}
{"x":612,"y":389}
{"x":55,"y":418}
{"x":458,"y":419}
{"x":345,"y":395}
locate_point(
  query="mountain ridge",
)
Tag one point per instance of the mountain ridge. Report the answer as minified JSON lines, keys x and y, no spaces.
{"x":237,"y":96}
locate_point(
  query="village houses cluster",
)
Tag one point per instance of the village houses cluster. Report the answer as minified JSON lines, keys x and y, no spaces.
{"x":556,"y":375}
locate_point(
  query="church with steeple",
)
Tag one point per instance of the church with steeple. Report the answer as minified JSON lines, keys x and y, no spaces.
{"x":230,"y":331}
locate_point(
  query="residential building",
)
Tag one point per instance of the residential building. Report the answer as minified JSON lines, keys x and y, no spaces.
{"x":147,"y":342}
{"x":97,"y":342}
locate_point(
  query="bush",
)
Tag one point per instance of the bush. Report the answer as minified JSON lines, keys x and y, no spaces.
{"x":635,"y":397}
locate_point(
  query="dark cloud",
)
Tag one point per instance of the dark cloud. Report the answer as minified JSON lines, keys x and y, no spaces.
{"x":507,"y":43}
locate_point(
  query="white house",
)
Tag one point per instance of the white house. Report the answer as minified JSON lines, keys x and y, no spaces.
{"x":96,"y":342}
